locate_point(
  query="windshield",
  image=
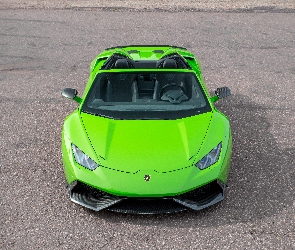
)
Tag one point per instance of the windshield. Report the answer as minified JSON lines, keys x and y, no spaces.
{"x":146,"y":95}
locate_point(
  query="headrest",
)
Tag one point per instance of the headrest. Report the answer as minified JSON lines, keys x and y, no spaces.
{"x":169,"y":64}
{"x":121,"y":64}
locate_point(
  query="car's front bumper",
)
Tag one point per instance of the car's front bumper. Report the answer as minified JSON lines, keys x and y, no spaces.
{"x":195,"y":199}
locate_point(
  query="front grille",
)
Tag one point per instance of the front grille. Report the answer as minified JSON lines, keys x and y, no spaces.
{"x":92,"y":198}
{"x":211,"y":187}
{"x":82,"y":187}
{"x":202,"y":197}
{"x":196,"y":199}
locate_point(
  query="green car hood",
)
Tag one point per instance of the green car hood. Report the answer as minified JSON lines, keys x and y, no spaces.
{"x":134,"y":145}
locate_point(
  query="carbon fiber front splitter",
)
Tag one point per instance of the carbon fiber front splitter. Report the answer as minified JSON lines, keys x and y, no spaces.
{"x":196,"y":199}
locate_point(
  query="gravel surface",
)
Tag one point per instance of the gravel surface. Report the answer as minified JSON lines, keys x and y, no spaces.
{"x":44,"y":51}
{"x":156,"y":5}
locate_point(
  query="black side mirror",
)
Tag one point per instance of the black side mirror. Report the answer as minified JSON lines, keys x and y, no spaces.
{"x":71,"y":94}
{"x":222,"y":92}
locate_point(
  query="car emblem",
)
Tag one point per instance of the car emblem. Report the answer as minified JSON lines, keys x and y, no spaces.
{"x":147,"y":177}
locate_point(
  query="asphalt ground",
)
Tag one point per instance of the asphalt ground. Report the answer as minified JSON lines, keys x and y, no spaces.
{"x":44,"y":51}
{"x":155,"y":5}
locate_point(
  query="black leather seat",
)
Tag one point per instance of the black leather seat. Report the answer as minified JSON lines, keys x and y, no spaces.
{"x":121,"y":64}
{"x":119,"y":84}
{"x":169,"y":64}
{"x":164,"y":79}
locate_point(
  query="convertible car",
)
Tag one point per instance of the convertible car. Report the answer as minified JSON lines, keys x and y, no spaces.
{"x":146,"y":137}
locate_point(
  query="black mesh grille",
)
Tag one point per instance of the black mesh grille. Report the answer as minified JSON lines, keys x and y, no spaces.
{"x":91,"y":197}
{"x":82,"y":187}
{"x":202,"y":197}
{"x":205,"y":190}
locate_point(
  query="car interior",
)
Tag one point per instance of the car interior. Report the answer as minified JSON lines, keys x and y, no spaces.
{"x":145,"y":87}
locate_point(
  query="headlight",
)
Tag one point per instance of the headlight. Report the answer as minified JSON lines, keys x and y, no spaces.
{"x":83,"y":159}
{"x":210,"y":158}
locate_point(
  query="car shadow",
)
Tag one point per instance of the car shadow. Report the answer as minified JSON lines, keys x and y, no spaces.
{"x":259,"y":183}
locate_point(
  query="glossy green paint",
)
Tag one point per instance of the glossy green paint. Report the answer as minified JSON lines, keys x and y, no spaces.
{"x":127,"y":150}
{"x":214,"y":98}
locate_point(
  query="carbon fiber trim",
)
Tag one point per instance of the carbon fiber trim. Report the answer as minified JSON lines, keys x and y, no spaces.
{"x":147,"y":206}
{"x":196,"y":199}
{"x":92,"y":198}
{"x":202,"y":197}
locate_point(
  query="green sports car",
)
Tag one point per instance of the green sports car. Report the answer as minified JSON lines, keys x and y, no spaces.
{"x":146,"y":137}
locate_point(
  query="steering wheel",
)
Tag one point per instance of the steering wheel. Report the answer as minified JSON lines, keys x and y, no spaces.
{"x":171,"y":85}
